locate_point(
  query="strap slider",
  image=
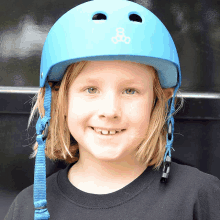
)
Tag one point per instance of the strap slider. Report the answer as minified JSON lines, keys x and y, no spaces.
{"x":45,"y":131}
{"x":170,"y":131}
{"x":41,"y":207}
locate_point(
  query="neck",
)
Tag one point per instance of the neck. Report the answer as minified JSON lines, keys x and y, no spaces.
{"x":98,"y":176}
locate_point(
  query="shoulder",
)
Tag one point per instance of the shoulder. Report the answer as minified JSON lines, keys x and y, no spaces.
{"x":191,"y":176}
{"x":199,"y":189}
{"x":27,"y":193}
{"x":22,"y":206}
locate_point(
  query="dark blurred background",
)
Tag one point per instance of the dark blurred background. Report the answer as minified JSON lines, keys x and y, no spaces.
{"x":24,"y":24}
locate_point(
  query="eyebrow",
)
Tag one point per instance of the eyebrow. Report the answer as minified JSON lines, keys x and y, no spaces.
{"x":88,"y":80}
{"x":130,"y":81}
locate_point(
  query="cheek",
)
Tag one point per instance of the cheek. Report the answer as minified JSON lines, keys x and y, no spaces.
{"x":139,"y":110}
{"x":78,"y":111}
{"x":74,"y":110}
{"x":77,"y":106}
{"x":139,"y":114}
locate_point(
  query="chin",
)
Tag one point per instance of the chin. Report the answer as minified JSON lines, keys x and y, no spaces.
{"x":108,"y":156}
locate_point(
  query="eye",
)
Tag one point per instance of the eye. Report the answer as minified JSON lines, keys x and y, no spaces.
{"x":129,"y":90}
{"x":91,"y":89}
{"x":135,"y":18}
{"x":99,"y":16}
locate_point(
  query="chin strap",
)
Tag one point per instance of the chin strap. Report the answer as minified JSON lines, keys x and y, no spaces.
{"x":40,"y":202}
{"x":167,"y":156}
{"x":169,"y":136}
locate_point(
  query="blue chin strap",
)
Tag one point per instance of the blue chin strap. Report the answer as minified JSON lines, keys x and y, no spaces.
{"x":169,"y":136}
{"x":40,"y":201}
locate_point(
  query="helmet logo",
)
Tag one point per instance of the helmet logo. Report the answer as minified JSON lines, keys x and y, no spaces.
{"x":120,"y":37}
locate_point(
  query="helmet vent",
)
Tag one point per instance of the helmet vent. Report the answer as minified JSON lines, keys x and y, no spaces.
{"x":99,"y":16}
{"x":135,"y":18}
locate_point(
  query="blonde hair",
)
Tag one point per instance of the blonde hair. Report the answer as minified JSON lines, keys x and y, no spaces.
{"x":60,"y":145}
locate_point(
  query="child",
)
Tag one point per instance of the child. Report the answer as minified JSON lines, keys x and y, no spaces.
{"x":109,"y":77}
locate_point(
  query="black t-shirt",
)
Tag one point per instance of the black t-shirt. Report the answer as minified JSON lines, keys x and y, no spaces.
{"x":189,"y":195}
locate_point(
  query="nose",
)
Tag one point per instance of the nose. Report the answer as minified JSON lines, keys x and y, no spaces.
{"x":109,"y":106}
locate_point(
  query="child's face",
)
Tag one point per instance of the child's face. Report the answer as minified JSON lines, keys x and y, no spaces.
{"x":110,"y":95}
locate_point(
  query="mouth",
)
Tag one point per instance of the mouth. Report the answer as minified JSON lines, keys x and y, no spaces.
{"x":107,"y":132}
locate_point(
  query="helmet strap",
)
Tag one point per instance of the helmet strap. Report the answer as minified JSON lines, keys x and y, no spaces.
{"x":40,"y":202}
{"x":169,"y":136}
{"x":167,"y":155}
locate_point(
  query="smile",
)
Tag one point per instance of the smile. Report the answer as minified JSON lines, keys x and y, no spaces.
{"x":107,"y":132}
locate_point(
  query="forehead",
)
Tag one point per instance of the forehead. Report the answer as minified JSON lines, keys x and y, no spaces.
{"x":124,"y":69}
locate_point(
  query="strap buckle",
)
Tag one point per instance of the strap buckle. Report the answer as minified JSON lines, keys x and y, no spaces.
{"x":166,"y":169}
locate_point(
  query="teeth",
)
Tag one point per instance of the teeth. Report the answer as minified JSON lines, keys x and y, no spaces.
{"x":106,"y":131}
{"x":112,"y":132}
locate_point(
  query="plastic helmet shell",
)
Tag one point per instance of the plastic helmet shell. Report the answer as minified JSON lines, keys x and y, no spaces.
{"x":76,"y":37}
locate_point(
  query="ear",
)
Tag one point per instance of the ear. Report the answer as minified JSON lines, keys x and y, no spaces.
{"x":168,"y":93}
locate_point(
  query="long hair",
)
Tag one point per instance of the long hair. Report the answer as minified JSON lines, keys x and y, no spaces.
{"x":60,"y":145}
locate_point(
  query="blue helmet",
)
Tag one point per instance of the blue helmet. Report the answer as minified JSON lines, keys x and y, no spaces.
{"x":109,"y":30}
{"x":104,"y":30}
